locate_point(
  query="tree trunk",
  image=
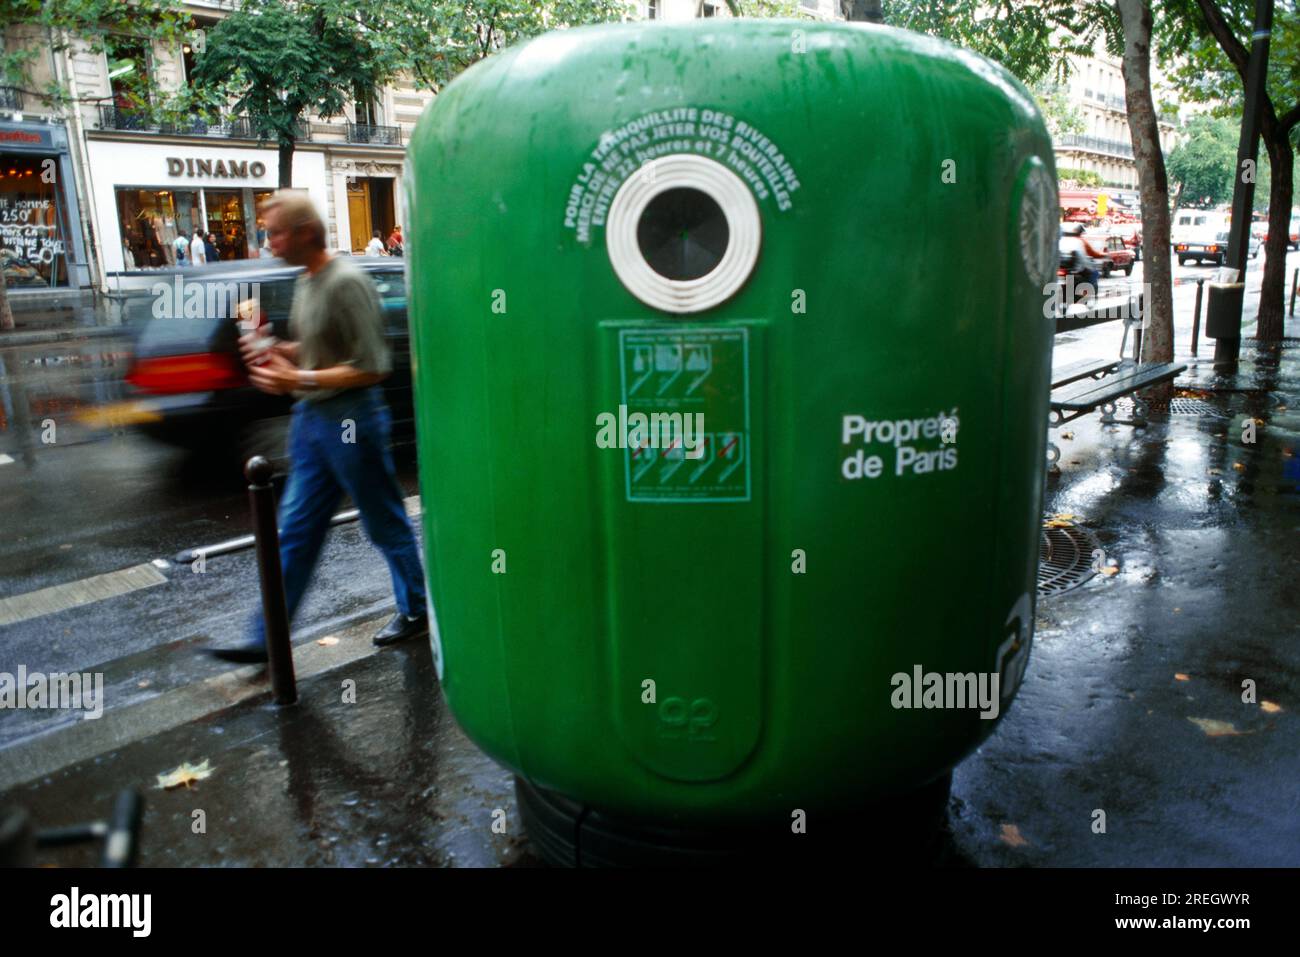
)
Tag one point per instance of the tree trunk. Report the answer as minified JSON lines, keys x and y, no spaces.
{"x":286,"y":163}
{"x":1153,"y":183}
{"x":6,"y":313}
{"x":1272,"y":294}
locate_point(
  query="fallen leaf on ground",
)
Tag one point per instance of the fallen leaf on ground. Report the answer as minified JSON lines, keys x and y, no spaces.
{"x":1011,"y":836}
{"x":1179,"y":676}
{"x":143,"y":683}
{"x":1270,"y":707}
{"x":327,"y":640}
{"x":1067,"y":435}
{"x":1110,"y":570}
{"x":1240,"y":467}
{"x":1215,"y":729}
{"x":185,"y":775}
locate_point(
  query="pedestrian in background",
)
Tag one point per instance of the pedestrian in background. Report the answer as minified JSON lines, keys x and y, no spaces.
{"x":210,"y":248}
{"x":198,"y":254}
{"x":338,"y":439}
{"x":395,"y":242}
{"x":182,"y":247}
{"x":376,"y":246}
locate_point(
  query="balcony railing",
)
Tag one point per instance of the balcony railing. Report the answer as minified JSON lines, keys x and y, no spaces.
{"x":1095,"y":144}
{"x":10,"y":98}
{"x":375,"y":135}
{"x":229,"y":127}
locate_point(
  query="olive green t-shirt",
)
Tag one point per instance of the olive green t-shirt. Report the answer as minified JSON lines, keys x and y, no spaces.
{"x":336,"y":320}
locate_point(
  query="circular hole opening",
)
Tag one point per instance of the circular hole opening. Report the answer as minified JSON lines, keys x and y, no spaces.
{"x":683,"y":233}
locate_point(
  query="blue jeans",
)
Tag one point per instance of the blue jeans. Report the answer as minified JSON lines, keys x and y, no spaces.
{"x":324,"y":465}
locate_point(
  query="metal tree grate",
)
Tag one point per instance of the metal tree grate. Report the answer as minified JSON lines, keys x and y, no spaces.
{"x":1065,"y":559}
{"x":1178,"y":405}
{"x":1182,"y":405}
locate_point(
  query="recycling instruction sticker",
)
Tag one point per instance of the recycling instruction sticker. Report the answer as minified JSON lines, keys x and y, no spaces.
{"x":684,"y":414}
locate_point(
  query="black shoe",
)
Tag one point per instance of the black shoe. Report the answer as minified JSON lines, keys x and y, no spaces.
{"x":399,"y":628}
{"x":249,"y":653}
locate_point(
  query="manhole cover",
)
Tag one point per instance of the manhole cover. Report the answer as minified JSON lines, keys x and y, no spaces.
{"x":1065,"y":559}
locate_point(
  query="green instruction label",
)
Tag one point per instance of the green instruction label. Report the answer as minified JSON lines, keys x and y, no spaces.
{"x":685,"y":396}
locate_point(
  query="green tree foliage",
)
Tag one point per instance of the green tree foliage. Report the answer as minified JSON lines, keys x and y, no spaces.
{"x":278,"y":62}
{"x":1061,"y":113}
{"x":1201,"y":165}
{"x":432,"y":42}
{"x":1084,"y":177}
{"x":1208,"y":45}
{"x":1022,"y":36}
{"x":98,"y":24}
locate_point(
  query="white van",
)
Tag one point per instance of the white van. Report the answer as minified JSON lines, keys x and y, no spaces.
{"x":1202,"y":235}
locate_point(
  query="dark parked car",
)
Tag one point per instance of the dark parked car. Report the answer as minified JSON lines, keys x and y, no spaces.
{"x":190,"y":385}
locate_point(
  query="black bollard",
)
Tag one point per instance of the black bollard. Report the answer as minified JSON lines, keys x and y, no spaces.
{"x":122,"y":842}
{"x":1295,"y":277}
{"x":262,"y":499}
{"x":1196,"y":317}
{"x":17,"y":838}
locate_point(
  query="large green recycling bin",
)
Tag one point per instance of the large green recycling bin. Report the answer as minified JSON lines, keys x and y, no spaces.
{"x":825,"y":249}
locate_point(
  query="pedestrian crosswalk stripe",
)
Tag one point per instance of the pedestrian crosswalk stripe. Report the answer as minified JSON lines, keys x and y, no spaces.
{"x":47,"y":601}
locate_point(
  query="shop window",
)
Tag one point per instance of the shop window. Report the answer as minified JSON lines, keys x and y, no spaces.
{"x":151,"y":221}
{"x":226,"y":223}
{"x":261,"y":243}
{"x":33,"y":222}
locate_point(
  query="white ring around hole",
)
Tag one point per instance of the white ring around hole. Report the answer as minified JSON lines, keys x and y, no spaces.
{"x":744,"y":228}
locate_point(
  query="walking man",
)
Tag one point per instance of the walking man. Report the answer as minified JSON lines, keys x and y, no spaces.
{"x":338,"y":439}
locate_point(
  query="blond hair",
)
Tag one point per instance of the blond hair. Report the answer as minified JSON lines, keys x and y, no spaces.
{"x":297,"y":212}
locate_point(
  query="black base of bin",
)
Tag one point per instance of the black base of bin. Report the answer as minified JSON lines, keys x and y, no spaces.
{"x":905,"y":830}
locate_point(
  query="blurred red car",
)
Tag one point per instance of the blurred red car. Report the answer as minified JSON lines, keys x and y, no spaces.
{"x":1131,"y":235}
{"x":1115,"y":252}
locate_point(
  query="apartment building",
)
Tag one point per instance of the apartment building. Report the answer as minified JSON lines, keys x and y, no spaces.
{"x":126,"y":189}
{"x":1096,"y":87}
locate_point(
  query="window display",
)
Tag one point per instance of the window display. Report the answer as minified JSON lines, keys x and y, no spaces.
{"x":33,"y":225}
{"x":151,"y":221}
{"x":226,"y":223}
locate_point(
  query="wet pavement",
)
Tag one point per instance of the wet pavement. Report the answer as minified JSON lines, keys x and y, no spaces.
{"x":386,"y":781}
{"x":1132,"y":704}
